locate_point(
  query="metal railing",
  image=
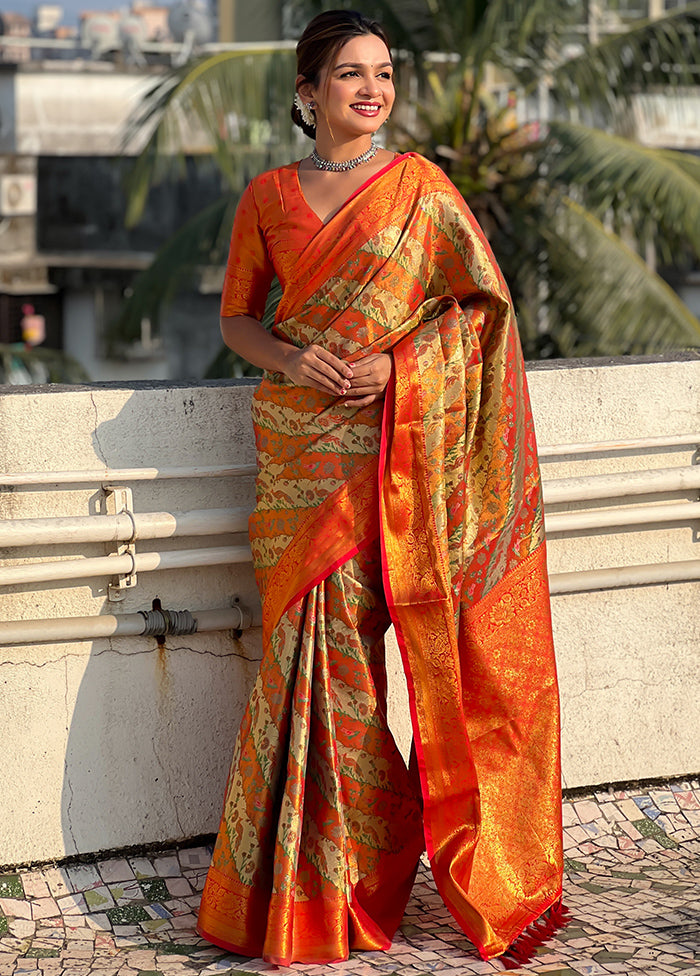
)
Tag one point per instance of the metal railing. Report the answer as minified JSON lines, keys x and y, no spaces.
{"x":125,"y":527}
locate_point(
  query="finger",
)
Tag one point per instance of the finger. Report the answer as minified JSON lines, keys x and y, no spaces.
{"x":312,"y":371}
{"x":331,"y":381}
{"x":341,"y":368}
{"x":328,"y":385}
{"x":359,"y":402}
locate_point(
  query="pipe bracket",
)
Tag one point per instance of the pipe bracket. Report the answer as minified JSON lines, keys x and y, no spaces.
{"x":120,"y":501}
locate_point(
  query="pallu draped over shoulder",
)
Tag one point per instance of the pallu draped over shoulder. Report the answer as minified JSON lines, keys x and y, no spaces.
{"x":423,"y":510}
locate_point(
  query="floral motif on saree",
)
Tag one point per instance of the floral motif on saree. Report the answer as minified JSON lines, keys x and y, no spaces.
{"x":424,"y":510}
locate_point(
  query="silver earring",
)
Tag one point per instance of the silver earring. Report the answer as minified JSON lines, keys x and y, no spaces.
{"x":305,"y":110}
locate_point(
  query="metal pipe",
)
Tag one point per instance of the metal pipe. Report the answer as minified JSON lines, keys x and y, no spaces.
{"x":112,"y":475}
{"x":609,"y":579}
{"x":122,"y":527}
{"x":648,"y":482}
{"x":142,"y":562}
{"x":97,"y":475}
{"x":109,"y":625}
{"x":593,"y":447}
{"x":646,"y":515}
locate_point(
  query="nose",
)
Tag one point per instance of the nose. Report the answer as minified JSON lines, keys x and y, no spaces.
{"x":369,"y":87}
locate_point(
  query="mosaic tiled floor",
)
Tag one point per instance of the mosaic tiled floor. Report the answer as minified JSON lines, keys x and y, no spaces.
{"x":633,"y":888}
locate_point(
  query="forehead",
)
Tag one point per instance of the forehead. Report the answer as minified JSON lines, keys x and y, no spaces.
{"x":364,"y":49}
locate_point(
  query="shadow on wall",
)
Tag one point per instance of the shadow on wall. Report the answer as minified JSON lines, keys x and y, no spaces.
{"x":152,"y":726}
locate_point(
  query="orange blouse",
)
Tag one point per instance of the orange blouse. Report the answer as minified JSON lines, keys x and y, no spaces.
{"x":272,"y":226}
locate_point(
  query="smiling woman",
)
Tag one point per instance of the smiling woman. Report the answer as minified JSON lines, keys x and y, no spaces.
{"x":397,"y":483}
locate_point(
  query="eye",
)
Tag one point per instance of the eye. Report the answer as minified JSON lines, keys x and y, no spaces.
{"x":386,"y":75}
{"x":348,"y":74}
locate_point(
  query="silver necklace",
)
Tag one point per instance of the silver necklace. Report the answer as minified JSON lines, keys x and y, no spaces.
{"x":332,"y":167}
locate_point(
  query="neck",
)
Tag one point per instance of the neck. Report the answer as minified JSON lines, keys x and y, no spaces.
{"x":337,"y":152}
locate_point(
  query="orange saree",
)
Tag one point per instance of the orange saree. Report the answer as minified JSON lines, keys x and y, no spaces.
{"x":425,"y":511}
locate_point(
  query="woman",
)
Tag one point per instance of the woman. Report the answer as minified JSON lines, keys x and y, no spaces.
{"x":398,"y":482}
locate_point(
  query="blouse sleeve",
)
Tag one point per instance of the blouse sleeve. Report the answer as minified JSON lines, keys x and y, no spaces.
{"x":249,"y":271}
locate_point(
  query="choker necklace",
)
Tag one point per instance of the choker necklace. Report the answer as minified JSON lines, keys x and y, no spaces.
{"x":332,"y":167}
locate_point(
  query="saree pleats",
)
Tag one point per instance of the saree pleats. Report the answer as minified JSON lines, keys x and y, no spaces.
{"x":425,"y":511}
{"x":322,"y":822}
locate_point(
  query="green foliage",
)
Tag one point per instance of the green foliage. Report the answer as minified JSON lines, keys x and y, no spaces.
{"x":20,"y":365}
{"x":568,"y":207}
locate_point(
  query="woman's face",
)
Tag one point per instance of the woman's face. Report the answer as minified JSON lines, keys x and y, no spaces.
{"x":355,"y":92}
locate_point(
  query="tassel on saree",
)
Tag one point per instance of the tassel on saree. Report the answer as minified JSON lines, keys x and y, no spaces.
{"x":525,"y":947}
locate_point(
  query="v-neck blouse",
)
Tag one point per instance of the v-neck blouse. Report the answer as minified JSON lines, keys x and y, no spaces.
{"x":272,"y":226}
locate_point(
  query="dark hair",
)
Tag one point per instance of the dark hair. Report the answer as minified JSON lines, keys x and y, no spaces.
{"x":322,"y":39}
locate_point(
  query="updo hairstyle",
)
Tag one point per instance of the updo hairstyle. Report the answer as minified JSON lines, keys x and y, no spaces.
{"x":318,"y":46}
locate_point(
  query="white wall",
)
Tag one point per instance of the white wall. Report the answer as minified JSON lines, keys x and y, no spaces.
{"x":116,"y":742}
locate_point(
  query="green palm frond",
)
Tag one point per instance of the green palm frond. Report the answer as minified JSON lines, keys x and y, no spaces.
{"x":202,"y":241}
{"x":234,"y":105}
{"x":647,"y":53}
{"x":21,"y":364}
{"x":616,"y":173}
{"x":603,"y":299}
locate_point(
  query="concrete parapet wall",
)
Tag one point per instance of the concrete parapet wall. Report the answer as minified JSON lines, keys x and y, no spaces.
{"x":119,"y":741}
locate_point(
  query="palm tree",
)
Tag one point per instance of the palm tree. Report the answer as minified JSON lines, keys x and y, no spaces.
{"x":570,"y":203}
{"x":234,"y":106}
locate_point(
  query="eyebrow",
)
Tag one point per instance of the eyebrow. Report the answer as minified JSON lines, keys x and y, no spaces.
{"x":358,"y":64}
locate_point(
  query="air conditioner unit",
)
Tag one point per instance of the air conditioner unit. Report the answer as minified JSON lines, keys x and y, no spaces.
{"x":17,"y":195}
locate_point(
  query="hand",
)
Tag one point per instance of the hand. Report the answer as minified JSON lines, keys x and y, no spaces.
{"x":369,"y":379}
{"x":315,"y":366}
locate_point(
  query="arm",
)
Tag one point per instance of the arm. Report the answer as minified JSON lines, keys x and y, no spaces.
{"x":310,"y":366}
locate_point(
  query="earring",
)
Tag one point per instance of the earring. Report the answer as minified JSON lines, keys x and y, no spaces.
{"x":305,"y":110}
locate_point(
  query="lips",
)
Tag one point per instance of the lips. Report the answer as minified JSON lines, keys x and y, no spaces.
{"x":366,"y":108}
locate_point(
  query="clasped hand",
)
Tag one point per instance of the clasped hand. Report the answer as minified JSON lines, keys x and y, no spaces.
{"x":361,"y":382}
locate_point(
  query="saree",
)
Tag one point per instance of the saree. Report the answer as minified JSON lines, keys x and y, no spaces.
{"x":423,"y":510}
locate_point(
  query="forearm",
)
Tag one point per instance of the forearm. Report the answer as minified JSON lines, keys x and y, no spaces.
{"x":251,"y":340}
{"x":307,"y":366}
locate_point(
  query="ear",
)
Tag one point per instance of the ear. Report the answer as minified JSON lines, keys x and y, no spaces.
{"x":304,"y":87}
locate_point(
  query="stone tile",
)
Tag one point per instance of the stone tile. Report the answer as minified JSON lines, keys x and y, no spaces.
{"x":184,"y":921}
{"x":21,"y":928}
{"x":126,"y":892}
{"x":72,"y":904}
{"x":115,"y":869}
{"x":44,"y":908}
{"x":687,"y":800}
{"x":178,"y":887}
{"x":629,"y":895}
{"x":35,"y":885}
{"x":693,"y":817}
{"x":665,"y":800}
{"x":586,"y":811}
{"x":98,"y":899}
{"x":612,"y":812}
{"x":167,"y":867}
{"x":79,"y":932}
{"x":83,"y":876}
{"x":58,"y":881}
{"x":15,"y":908}
{"x":195,"y":857}
{"x":630,"y":830}
{"x":142,"y":867}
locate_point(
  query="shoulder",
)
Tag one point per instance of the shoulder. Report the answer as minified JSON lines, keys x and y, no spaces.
{"x":427,"y":173}
{"x":272,"y":177}
{"x":265,"y":192}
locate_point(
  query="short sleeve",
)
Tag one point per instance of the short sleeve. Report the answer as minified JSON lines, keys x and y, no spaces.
{"x":249,"y":271}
